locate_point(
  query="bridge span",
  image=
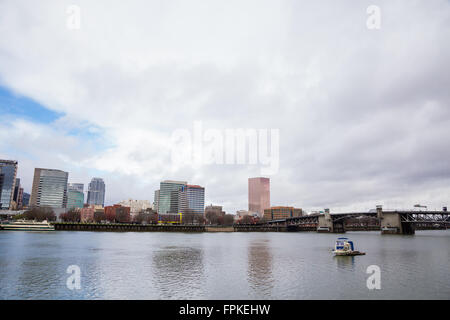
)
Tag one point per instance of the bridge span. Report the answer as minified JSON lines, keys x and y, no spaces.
{"x":389,"y":221}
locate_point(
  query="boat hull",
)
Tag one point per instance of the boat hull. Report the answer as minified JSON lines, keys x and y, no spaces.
{"x":6,"y":227}
{"x":349,"y":253}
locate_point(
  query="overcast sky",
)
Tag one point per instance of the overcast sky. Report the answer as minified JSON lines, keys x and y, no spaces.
{"x":363,"y":114}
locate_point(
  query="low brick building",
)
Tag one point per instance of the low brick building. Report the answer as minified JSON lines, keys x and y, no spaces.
{"x":87,"y":214}
{"x":118,"y":213}
{"x":275,"y":213}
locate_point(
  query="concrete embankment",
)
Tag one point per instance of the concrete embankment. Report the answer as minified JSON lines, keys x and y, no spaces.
{"x":125,"y":227}
{"x":128,"y":227}
{"x":219,"y":229}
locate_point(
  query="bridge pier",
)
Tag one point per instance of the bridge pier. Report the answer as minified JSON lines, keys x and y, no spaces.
{"x":391,"y":223}
{"x":326,"y":224}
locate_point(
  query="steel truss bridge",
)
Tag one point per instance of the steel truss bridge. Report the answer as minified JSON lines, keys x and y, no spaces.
{"x":403,"y":221}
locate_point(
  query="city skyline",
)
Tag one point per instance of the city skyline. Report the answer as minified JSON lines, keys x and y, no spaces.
{"x":182,"y":196}
{"x":362,"y":113}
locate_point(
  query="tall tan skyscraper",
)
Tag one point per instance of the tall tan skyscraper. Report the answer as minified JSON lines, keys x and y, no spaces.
{"x":49,"y":188}
{"x":258,"y":195}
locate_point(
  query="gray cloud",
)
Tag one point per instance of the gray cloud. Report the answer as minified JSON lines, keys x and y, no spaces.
{"x":363,"y":114}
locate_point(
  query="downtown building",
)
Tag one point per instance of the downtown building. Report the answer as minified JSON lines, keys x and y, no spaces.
{"x":258,"y":195}
{"x":136,"y":206}
{"x":18,"y":195}
{"x":77,"y":186}
{"x":191,"y":199}
{"x":168,"y":200}
{"x":8,"y":173}
{"x":175,"y":197}
{"x":26,"y":199}
{"x":216,"y":210}
{"x":75,"y":195}
{"x":118,"y":214}
{"x":96,"y":192}
{"x":49,"y":188}
{"x":156,"y":201}
{"x":276,"y":213}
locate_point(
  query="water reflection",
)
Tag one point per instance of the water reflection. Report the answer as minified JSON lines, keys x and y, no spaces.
{"x":220,"y":266}
{"x":345,"y":262}
{"x":260,"y":268}
{"x":178,"y":270}
{"x":41,"y":272}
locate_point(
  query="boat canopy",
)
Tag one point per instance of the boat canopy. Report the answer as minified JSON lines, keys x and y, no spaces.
{"x":340,"y":242}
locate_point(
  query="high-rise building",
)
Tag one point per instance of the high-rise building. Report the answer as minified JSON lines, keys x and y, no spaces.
{"x":156,"y":202}
{"x":77,"y":186}
{"x":75,"y":195}
{"x":178,"y":196}
{"x":169,"y":196}
{"x":26,"y":199}
{"x":18,"y":195}
{"x":96,"y":192}
{"x":258,"y":195}
{"x":49,"y":188}
{"x":195,"y":200}
{"x":8,"y":172}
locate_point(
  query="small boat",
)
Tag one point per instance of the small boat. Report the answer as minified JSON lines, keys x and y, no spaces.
{"x":345,"y":247}
{"x":23,"y":225}
{"x":323,"y":229}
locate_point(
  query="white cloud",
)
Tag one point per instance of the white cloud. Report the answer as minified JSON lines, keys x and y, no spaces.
{"x":361,"y":112}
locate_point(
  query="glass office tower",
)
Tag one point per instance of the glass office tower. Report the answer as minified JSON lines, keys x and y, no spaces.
{"x":77,"y":186}
{"x":96,"y":192}
{"x":195,"y":199}
{"x":8,"y":172}
{"x":49,"y":188}
{"x":168,"y":196}
{"x":75,"y":195}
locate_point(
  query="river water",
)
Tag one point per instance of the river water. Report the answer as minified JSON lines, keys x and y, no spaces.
{"x":222,"y":265}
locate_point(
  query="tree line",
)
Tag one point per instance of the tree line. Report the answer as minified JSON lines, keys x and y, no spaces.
{"x":144,"y":217}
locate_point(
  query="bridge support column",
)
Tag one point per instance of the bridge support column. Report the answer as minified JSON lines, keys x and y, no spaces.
{"x":325,"y":224}
{"x":408,"y":228}
{"x":390,"y":222}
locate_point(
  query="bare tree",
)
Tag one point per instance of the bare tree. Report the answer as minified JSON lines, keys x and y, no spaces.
{"x":190,"y":217}
{"x":228,"y":219}
{"x":246,"y":220}
{"x":38,"y":214}
{"x":73,"y":215}
{"x":99,"y":216}
{"x":212,"y":217}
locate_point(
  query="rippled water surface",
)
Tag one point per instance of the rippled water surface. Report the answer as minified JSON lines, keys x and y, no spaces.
{"x":222,"y":265}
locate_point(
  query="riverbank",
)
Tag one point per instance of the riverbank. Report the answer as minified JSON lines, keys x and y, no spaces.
{"x":129,"y":227}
